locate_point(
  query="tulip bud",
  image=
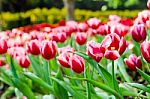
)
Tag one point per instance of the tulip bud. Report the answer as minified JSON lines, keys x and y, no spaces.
{"x":145,"y":50}
{"x":63,"y":59}
{"x":138,"y":32}
{"x":82,"y":27}
{"x":2,"y":62}
{"x":33,"y":47}
{"x":94,"y":23}
{"x":80,"y":38}
{"x":148,"y":4}
{"x":95,"y":50}
{"x":48,"y":49}
{"x":133,"y":61}
{"x":23,"y":61}
{"x":76,"y":63}
{"x":3,"y":46}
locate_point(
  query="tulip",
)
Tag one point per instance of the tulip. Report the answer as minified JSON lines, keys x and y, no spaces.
{"x":114,"y":46}
{"x":133,"y":61}
{"x":82,"y":27}
{"x":138,"y":32}
{"x":48,"y":49}
{"x":145,"y":50}
{"x":104,"y":30}
{"x":3,"y":46}
{"x":148,"y":4}
{"x":94,"y":23}
{"x":77,"y":63}
{"x":62,"y":37}
{"x":95,"y":50}
{"x":80,"y":38}
{"x":63,"y":59}
{"x":33,"y":47}
{"x":2,"y":62}
{"x":23,"y":61}
{"x":148,"y":24}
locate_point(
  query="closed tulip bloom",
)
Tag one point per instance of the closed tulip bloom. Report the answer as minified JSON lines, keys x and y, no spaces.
{"x":76,"y":63}
{"x":94,"y":23}
{"x":138,"y":32}
{"x":3,"y":46}
{"x":2,"y":62}
{"x":114,"y":46}
{"x":23,"y":61}
{"x":104,"y":30}
{"x":145,"y":50}
{"x":48,"y":49}
{"x":62,"y":37}
{"x":95,"y":50}
{"x":133,"y":61}
{"x":33,"y":47}
{"x":80,"y":38}
{"x":65,"y":49}
{"x":63,"y":59}
{"x":82,"y":27}
{"x":148,"y":4}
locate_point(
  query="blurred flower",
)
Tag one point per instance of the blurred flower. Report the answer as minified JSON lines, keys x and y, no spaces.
{"x":133,"y":61}
{"x":2,"y":61}
{"x":145,"y":50}
{"x":23,"y":61}
{"x":3,"y":46}
{"x":114,"y":18}
{"x":138,"y":32}
{"x":76,"y":63}
{"x":94,"y":23}
{"x":65,"y":49}
{"x":82,"y":27}
{"x":33,"y":47}
{"x":95,"y":50}
{"x":104,"y":29}
{"x":148,"y":24}
{"x":80,"y":38}
{"x":114,"y":46}
{"x":48,"y":49}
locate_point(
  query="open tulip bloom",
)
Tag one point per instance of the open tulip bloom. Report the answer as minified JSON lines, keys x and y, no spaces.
{"x":77,"y":60}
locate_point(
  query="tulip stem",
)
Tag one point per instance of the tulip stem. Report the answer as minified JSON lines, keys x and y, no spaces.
{"x":12,"y":67}
{"x":113,"y":74}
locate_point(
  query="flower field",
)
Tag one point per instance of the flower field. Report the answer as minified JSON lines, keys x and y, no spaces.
{"x":90,"y":59}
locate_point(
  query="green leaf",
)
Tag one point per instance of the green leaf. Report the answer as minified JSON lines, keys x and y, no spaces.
{"x":144,"y":75}
{"x":73,"y":92}
{"x":7,"y":93}
{"x":140,"y":86}
{"x":60,"y":92}
{"x":24,"y":88}
{"x":38,"y":81}
{"x":123,"y":70}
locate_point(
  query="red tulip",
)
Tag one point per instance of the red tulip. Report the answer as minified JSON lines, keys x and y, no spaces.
{"x":62,"y":37}
{"x":114,"y":46}
{"x":3,"y":46}
{"x":95,"y":50}
{"x":48,"y":49}
{"x":77,"y":63}
{"x":2,"y":62}
{"x":104,"y":29}
{"x":148,"y":4}
{"x":94,"y":23}
{"x":63,"y":59}
{"x":82,"y":27}
{"x":80,"y":38}
{"x":138,"y":32}
{"x":33,"y":47}
{"x":23,"y":61}
{"x":133,"y":61}
{"x":114,"y":18}
{"x":145,"y":50}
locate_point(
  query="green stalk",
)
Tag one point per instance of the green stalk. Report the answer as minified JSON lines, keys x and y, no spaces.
{"x":12,"y":67}
{"x":113,"y":75}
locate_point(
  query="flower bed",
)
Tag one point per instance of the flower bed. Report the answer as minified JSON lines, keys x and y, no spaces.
{"x":76,"y":60}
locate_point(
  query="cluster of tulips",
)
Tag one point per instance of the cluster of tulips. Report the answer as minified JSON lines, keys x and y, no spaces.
{"x":72,"y":59}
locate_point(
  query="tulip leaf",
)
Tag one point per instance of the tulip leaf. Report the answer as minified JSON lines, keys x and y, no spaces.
{"x":144,"y":75}
{"x":38,"y":81}
{"x":123,"y":70}
{"x":7,"y":93}
{"x":73,"y":92}
{"x":140,"y":86}
{"x":60,"y":92}
{"x":24,"y":88}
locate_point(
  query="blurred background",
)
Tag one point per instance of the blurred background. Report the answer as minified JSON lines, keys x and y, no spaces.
{"x":28,"y":12}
